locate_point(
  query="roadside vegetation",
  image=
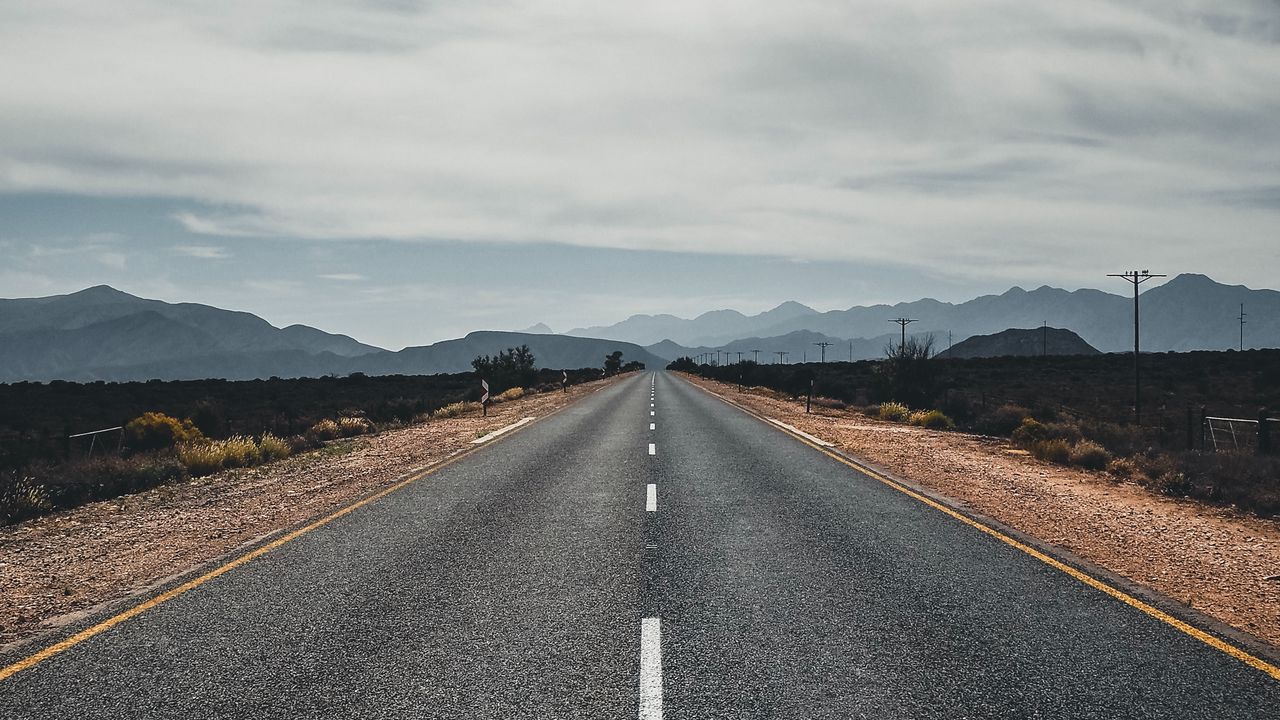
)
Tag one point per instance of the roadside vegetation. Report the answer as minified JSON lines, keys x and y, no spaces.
{"x":1073,"y":411}
{"x":175,"y":431}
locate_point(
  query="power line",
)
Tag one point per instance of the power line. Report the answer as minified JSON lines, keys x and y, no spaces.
{"x":1136,"y":278}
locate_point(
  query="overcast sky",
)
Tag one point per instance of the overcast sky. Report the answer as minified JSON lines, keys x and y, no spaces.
{"x":408,"y":171}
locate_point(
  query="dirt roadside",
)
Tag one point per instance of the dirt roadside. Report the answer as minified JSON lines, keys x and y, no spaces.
{"x":56,"y":569}
{"x":1212,"y":559}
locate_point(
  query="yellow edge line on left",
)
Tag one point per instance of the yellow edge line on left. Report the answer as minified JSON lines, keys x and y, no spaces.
{"x":59,"y":647}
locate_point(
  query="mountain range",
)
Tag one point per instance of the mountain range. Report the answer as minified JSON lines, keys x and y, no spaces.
{"x":1190,"y":312}
{"x":105,"y":334}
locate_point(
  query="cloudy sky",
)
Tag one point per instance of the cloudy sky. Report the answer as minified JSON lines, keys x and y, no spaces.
{"x":407,"y":171}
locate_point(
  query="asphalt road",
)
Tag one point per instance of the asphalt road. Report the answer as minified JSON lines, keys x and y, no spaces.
{"x":541,"y":577}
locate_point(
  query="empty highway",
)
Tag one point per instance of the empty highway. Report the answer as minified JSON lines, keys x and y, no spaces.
{"x":650,"y":552}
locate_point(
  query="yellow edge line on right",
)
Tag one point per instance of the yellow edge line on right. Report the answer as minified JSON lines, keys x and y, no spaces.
{"x":1195,"y":632}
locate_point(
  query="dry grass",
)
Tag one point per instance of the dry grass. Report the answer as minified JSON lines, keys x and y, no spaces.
{"x":893,"y":412}
{"x":514,"y":393}
{"x":457,"y":409}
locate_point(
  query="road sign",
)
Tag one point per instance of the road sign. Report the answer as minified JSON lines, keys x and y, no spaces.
{"x":564,"y":380}
{"x":484,"y":384}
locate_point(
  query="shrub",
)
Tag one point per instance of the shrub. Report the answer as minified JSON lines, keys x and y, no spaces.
{"x":1066,"y":431}
{"x":1054,"y":451}
{"x":830,"y":403}
{"x":893,"y":411}
{"x":324,"y":430}
{"x":157,"y":431}
{"x":454,"y":410}
{"x":1125,"y":468}
{"x":272,"y":448}
{"x":1030,"y":432}
{"x":931,"y":419}
{"x":768,"y":392}
{"x":514,"y":393}
{"x":210,"y":456}
{"x":1089,"y":455}
{"x":1006,"y":418}
{"x":349,"y":426}
{"x":21,"y":497}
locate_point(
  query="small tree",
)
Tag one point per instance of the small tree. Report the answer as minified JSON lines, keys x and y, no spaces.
{"x":907,"y":374}
{"x":513,"y":367}
{"x":613,"y":363}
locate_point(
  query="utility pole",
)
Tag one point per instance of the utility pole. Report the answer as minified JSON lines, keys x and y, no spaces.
{"x":757,"y":356}
{"x":1044,"y":338}
{"x":904,"y":322}
{"x":782,"y":356}
{"x":824,"y":345}
{"x":850,"y":351}
{"x":739,"y":356}
{"x":1242,"y":324}
{"x":1136,"y":278}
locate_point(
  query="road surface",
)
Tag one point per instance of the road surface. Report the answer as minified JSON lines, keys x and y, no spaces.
{"x":647,"y":552}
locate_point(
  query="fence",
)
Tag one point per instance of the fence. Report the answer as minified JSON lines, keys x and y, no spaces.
{"x":1235,"y":434}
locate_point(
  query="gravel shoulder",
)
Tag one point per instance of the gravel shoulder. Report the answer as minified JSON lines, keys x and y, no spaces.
{"x":1212,"y":559}
{"x":56,"y":569}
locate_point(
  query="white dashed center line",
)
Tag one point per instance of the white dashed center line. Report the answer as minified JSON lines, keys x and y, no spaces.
{"x":653,"y":426}
{"x":651,"y":669}
{"x":651,"y":499}
{"x":653,"y":448}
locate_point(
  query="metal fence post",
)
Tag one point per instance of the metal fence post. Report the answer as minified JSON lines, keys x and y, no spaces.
{"x":1264,"y":432}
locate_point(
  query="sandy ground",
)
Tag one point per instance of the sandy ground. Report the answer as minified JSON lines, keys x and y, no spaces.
{"x":57,"y":568}
{"x":1212,"y":559}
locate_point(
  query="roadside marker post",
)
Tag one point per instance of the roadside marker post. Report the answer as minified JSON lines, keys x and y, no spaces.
{"x":484,"y":399}
{"x":564,"y":380}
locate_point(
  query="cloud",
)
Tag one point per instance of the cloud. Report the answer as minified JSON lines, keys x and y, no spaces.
{"x":343,"y":277}
{"x":204,"y":252}
{"x":1000,"y":138}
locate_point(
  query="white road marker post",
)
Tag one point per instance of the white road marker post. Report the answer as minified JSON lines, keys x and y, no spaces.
{"x":564,"y":380}
{"x":484,"y":399}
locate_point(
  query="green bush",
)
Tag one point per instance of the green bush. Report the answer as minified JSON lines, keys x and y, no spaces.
{"x":322,"y":431}
{"x":1054,"y":451}
{"x":21,"y":497}
{"x":931,"y":419}
{"x":893,"y":412}
{"x":271,"y":448}
{"x":210,"y":456}
{"x":157,"y":431}
{"x":1089,"y":455}
{"x":1006,"y":418}
{"x":1029,"y":432}
{"x":454,"y":410}
{"x":514,"y":393}
{"x":351,"y":426}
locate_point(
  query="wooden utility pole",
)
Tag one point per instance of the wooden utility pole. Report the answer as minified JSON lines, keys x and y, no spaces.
{"x":824,"y":346}
{"x":1136,"y":278}
{"x":904,"y":322}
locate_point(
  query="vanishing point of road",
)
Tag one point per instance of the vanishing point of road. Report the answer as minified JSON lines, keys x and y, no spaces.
{"x":648,"y":551}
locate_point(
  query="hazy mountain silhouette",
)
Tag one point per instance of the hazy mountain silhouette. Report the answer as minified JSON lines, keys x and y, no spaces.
{"x":651,"y":329}
{"x":104,"y":334}
{"x":1190,"y":312}
{"x":1018,"y":342}
{"x":797,"y":345}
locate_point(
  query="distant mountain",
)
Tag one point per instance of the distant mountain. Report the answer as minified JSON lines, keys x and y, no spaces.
{"x":104,"y":334}
{"x":551,"y":351}
{"x":1021,"y":343}
{"x":1190,"y":312}
{"x":96,"y":333}
{"x":799,"y":346}
{"x":538,"y":329}
{"x":651,"y":329}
